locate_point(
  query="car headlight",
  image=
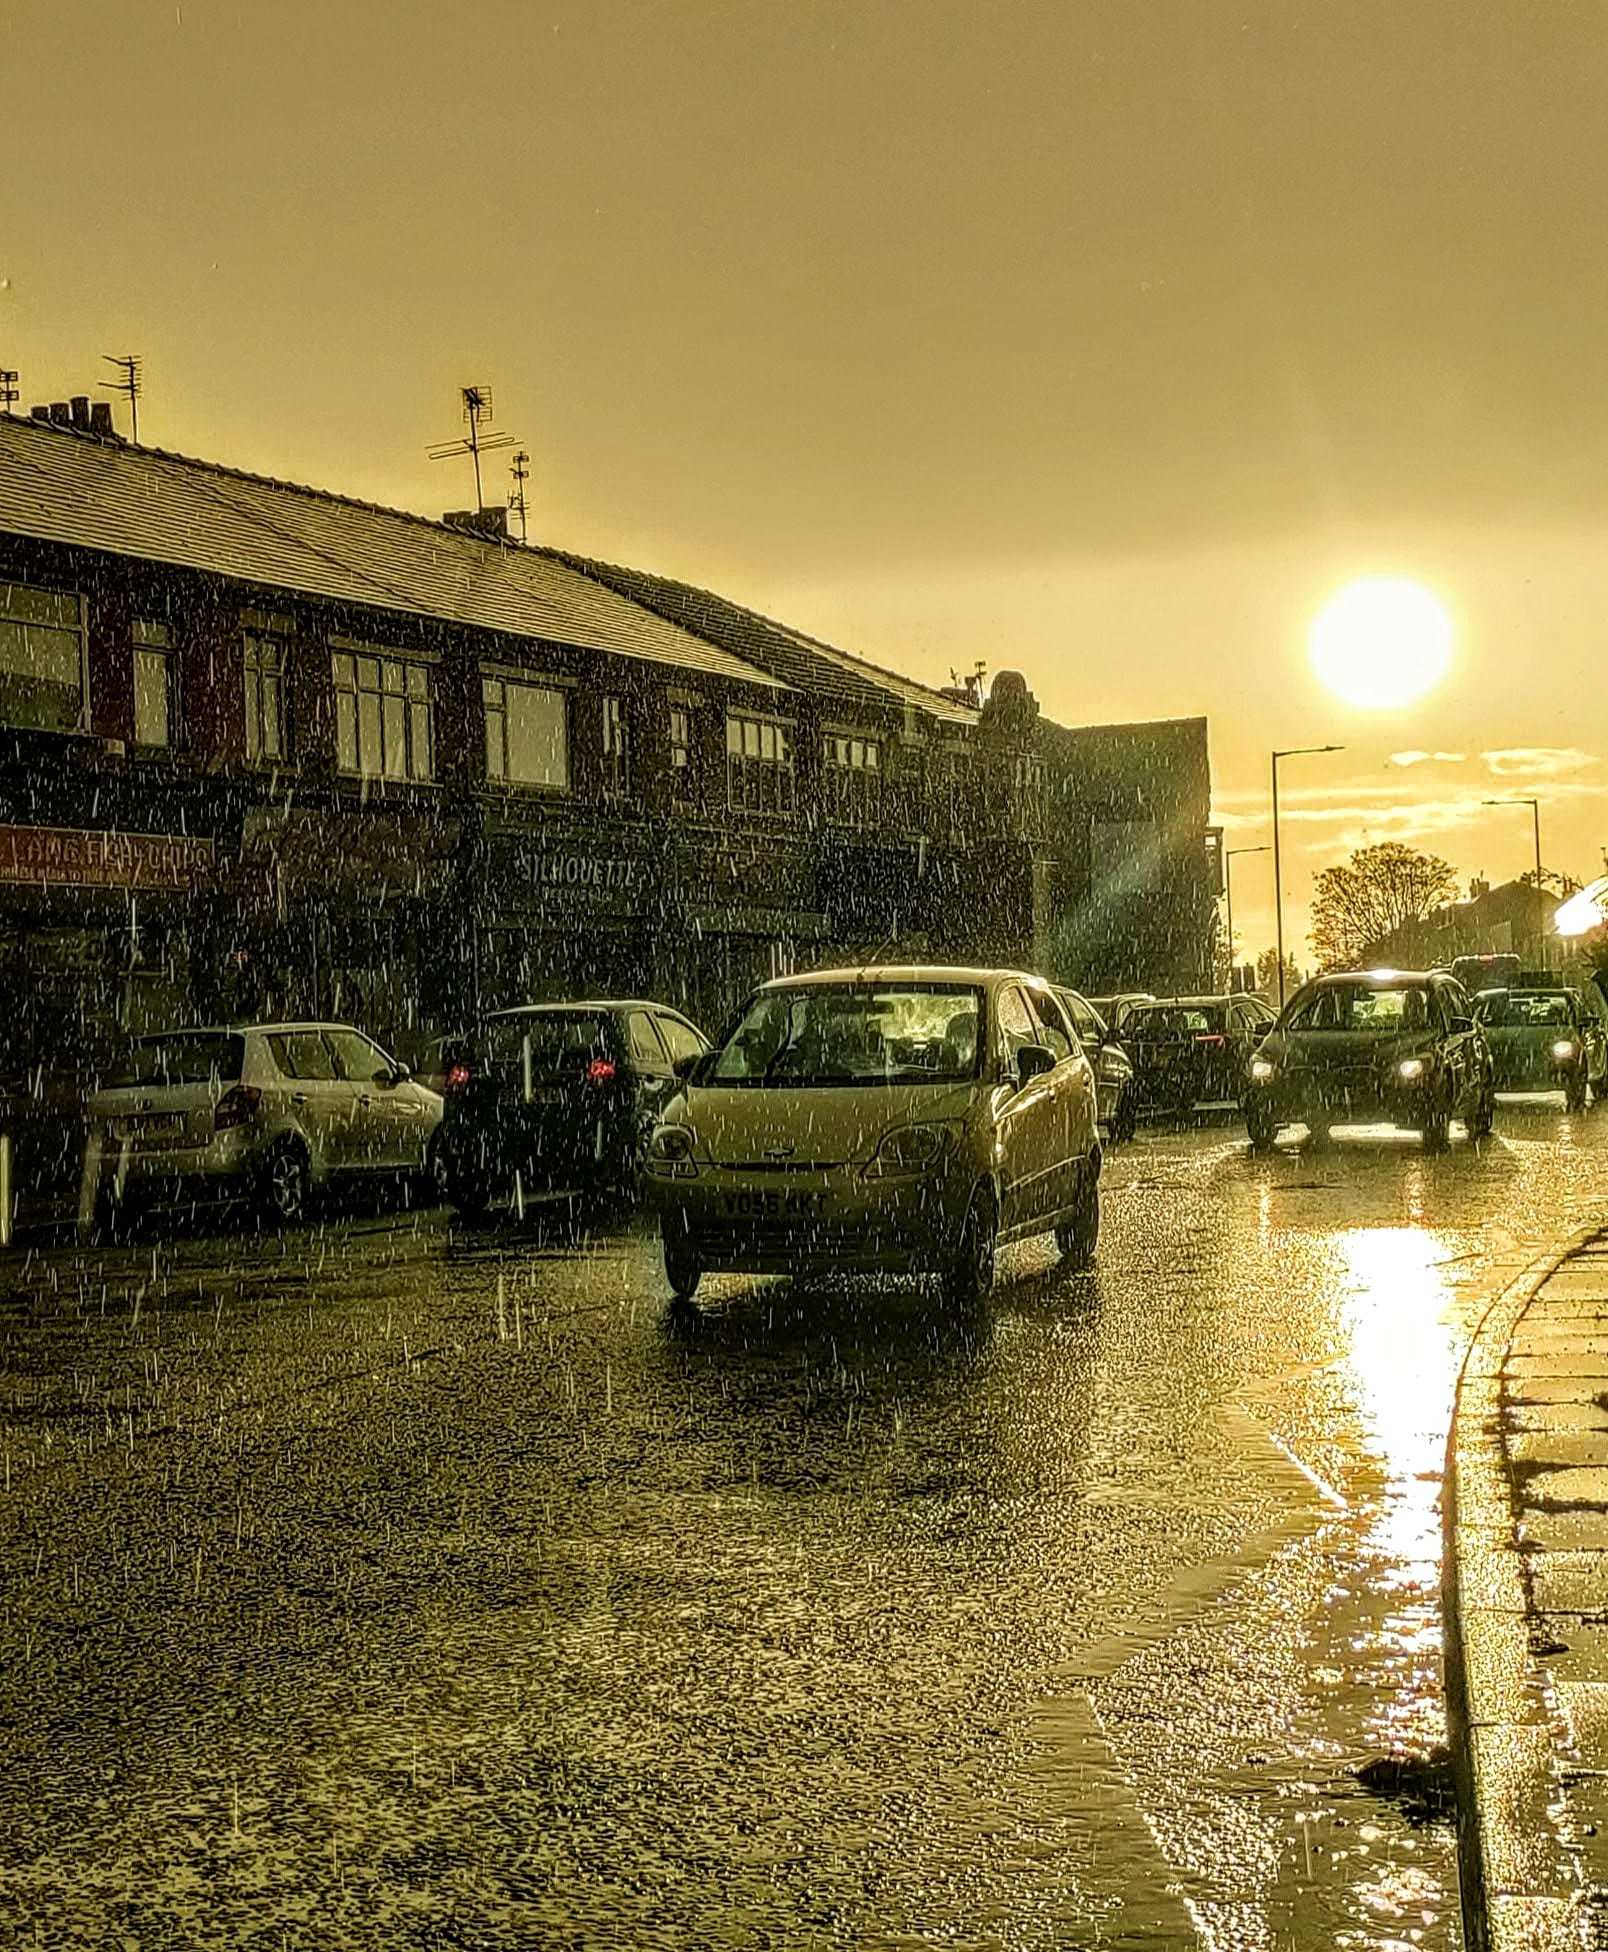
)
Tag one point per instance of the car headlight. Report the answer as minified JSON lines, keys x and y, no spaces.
{"x":670,"y":1153}
{"x":908,"y":1150}
{"x":1261,"y":1069}
{"x":1410,"y":1068}
{"x":1563,"y":1048}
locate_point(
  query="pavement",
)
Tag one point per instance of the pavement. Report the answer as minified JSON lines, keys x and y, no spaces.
{"x":1526,"y":1607}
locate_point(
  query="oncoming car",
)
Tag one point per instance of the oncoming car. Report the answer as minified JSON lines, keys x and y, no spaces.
{"x":1544,"y":1040}
{"x":1368,"y":1045}
{"x":909,"y":1120}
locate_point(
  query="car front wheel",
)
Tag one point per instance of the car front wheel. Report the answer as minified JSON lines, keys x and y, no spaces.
{"x":682,"y":1271}
{"x":969,"y":1278}
{"x":1262,"y":1126}
{"x":1574,"y":1093}
{"x":1434,"y":1125}
{"x":1079,"y":1235}
{"x":286,"y":1185}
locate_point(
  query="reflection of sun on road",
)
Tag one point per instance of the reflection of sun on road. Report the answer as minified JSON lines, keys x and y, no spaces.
{"x":1394,"y":1306}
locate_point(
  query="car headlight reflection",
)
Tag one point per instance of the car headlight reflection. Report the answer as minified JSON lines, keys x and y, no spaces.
{"x":908,"y":1150}
{"x":670,"y":1153}
{"x":1563,"y":1048}
{"x":1261,"y":1069}
{"x":1410,"y":1068}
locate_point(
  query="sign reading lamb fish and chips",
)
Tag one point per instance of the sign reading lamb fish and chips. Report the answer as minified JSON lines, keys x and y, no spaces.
{"x":81,"y":857}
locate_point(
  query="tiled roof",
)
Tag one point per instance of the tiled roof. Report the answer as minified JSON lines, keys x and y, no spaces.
{"x":787,"y":653}
{"x":60,"y":485}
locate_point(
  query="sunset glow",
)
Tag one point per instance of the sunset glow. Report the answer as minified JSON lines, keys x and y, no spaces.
{"x":1381,"y":642}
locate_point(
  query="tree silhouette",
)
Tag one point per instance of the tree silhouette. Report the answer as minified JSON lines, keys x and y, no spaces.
{"x":1374,"y":893}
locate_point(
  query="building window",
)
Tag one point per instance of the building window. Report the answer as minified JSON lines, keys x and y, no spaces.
{"x":616,"y":748}
{"x":383,"y":716}
{"x":851,"y":778}
{"x":953,"y":790}
{"x":1032,"y":794}
{"x":759,"y":764}
{"x":527,"y":734}
{"x":683,"y":787}
{"x":156,"y":691}
{"x":41,"y":659}
{"x":265,"y":697}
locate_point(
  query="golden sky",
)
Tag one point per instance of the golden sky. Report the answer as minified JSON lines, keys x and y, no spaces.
{"x":1101,"y":341}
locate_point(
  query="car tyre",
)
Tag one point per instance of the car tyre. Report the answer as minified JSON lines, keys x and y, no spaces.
{"x":969,"y":1278}
{"x":432,"y":1187}
{"x":682,"y":1271}
{"x":1263,"y":1128}
{"x":1435,"y":1128}
{"x":1124,"y":1117}
{"x":1483,"y":1116}
{"x":1574,"y":1093}
{"x":284,"y":1190}
{"x":1319,"y":1135}
{"x":1079,"y":1237}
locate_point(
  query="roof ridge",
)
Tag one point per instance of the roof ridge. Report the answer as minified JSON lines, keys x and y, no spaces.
{"x":117,"y":445}
{"x":771,"y":623}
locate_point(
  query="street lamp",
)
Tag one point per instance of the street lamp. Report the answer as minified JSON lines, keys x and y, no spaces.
{"x":1535,"y":815}
{"x":1289,"y":752}
{"x":1228,"y":897}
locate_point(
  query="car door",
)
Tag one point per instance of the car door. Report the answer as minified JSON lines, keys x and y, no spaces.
{"x":1075,"y":1088}
{"x":1029,"y":1141}
{"x":1450,"y":1015}
{"x":652,"y":1068}
{"x":380,"y":1126}
{"x":682,"y":1040}
{"x":316,"y":1100}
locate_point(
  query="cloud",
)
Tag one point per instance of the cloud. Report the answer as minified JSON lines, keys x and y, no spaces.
{"x":1537,"y":762}
{"x":1418,"y":758}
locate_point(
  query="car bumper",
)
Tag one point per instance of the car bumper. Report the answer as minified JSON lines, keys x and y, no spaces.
{"x":836,"y":1219}
{"x":1297,"y":1101}
{"x":229,"y":1155}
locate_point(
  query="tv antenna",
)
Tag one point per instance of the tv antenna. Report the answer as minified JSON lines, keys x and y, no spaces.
{"x":129,"y":364}
{"x":476,"y":408}
{"x":9,"y":395}
{"x":516,"y":501}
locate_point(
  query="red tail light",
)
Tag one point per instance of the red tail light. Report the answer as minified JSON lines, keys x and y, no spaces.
{"x":237,"y":1107}
{"x":456,"y":1077}
{"x":602,"y":1070}
{"x":1213,"y":1040}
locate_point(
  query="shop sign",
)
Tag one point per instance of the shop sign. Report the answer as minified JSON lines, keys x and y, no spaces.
{"x":613,"y":873}
{"x":530,"y":874}
{"x":79,"y":857}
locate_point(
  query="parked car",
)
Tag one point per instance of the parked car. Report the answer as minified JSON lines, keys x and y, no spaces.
{"x":1544,"y":1040}
{"x":907,"y":1119}
{"x":273,"y":1111}
{"x":1113,"y":1010}
{"x":1193,"y":1052}
{"x":1113,"y":1068}
{"x":559,"y":1097}
{"x":1369,"y":1045}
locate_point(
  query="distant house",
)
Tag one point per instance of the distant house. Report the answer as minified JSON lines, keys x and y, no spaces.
{"x":1514,"y":918}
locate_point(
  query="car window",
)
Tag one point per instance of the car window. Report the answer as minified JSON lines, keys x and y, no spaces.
{"x":1176,"y":1020}
{"x":303,"y":1054}
{"x":1085,"y":1022}
{"x":867,"y":1033}
{"x":1362,"y":1006}
{"x":1055,"y":1033}
{"x":681,"y":1040}
{"x":357,"y":1061}
{"x":183,"y":1057}
{"x":1016,"y":1025}
{"x":642,"y":1039}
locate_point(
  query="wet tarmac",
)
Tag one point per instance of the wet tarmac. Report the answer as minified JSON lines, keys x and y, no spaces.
{"x":394,"y":1584}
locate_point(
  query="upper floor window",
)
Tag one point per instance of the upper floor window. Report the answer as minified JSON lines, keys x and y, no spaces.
{"x":952,"y":784}
{"x":851,"y":778}
{"x":265,"y":696}
{"x":156,"y":691}
{"x":527,"y":733}
{"x":384,"y":725}
{"x":616,"y":746}
{"x":42,"y":680}
{"x":683,"y":785}
{"x":1032,"y":793}
{"x":759,"y":763}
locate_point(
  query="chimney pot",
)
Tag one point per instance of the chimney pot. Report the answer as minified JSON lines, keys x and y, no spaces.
{"x":79,"y":406}
{"x":39,"y":413}
{"x":61,"y":414}
{"x":100,"y":418}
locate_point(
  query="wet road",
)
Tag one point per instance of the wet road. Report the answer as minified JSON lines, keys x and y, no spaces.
{"x":392,"y":1585}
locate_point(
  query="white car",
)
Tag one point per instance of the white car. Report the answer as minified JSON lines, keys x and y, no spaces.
{"x":271,"y":1111}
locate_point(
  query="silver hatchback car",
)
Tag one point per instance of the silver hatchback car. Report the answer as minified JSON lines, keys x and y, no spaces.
{"x":271,"y":1111}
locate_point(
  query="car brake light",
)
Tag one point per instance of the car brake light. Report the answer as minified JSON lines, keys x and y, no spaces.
{"x":601,"y":1070}
{"x":1213,"y":1038}
{"x":236,"y":1107}
{"x":456,"y":1077}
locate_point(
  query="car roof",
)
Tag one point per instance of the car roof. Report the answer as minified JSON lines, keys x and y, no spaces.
{"x":1186,"y":1002}
{"x":594,"y":1004}
{"x":1381,"y":978}
{"x":905,"y":972}
{"x":244,"y":1029}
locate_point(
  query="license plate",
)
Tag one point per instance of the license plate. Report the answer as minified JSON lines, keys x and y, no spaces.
{"x":546,"y":1094}
{"x":148,"y":1128}
{"x":774,"y":1206}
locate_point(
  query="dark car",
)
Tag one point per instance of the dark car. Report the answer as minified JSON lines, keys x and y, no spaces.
{"x":1113,"y":1010}
{"x":1192,"y":1052}
{"x":1113,"y":1068}
{"x":559,"y":1098}
{"x":1544,"y":1040}
{"x":1371,"y":1045}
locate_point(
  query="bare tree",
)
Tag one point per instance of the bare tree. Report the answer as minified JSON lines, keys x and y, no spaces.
{"x":1377,"y":891}
{"x":1267,"y":974}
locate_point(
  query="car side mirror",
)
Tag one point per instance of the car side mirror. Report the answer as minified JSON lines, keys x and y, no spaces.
{"x":686,"y":1068}
{"x":1032,"y":1061}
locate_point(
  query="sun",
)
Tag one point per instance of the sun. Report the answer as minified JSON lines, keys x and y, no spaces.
{"x":1380,"y":642}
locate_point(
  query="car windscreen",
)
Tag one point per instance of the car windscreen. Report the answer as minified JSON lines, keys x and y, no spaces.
{"x":1362,"y":1007}
{"x":561,"y":1041}
{"x":1174,"y":1020}
{"x":183,"y":1057}
{"x":854,"y":1034}
{"x":1525,"y":1009}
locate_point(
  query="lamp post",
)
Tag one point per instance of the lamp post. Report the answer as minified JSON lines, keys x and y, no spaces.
{"x":1535,"y":815}
{"x":1288,"y":752}
{"x":1228,"y":897}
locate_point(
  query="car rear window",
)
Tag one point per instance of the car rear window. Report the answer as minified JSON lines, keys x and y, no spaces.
{"x":560,"y":1040}
{"x":1525,"y":1009}
{"x":1174,"y":1020}
{"x":184,"y":1057}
